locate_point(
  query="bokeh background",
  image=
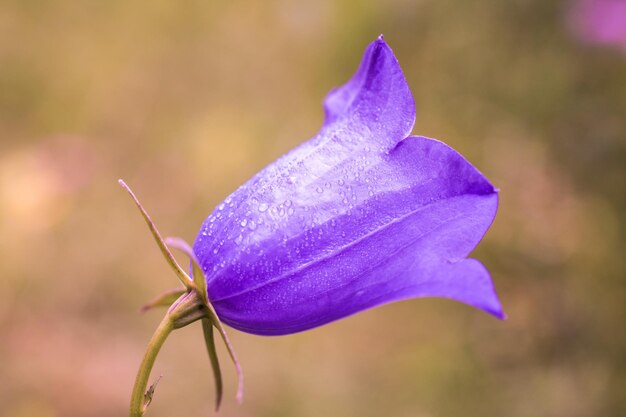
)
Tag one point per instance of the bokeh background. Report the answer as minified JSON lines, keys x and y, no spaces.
{"x":186,"y":100}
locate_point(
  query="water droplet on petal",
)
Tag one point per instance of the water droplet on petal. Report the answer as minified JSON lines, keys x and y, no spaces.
{"x":252,"y":225}
{"x":244,"y":222}
{"x":263,"y":207}
{"x":238,"y":239}
{"x":287,"y":203}
{"x":319,"y":189}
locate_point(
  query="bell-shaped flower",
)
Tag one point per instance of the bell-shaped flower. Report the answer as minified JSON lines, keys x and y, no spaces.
{"x":360,"y":215}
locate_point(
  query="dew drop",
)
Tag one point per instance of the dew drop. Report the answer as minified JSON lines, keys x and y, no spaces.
{"x":252,"y":225}
{"x":221,"y":207}
{"x":263,"y":207}
{"x":238,"y":239}
{"x":215,"y":251}
{"x":287,"y":203}
{"x":319,"y":189}
{"x":290,"y":211}
{"x":340,"y":181}
{"x":244,"y":222}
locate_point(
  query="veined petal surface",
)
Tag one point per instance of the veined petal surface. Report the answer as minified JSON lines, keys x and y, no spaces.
{"x":360,"y":215}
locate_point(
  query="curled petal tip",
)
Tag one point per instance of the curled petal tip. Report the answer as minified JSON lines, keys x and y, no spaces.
{"x":497,"y":312}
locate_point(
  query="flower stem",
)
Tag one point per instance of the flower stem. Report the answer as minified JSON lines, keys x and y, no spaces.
{"x":137,"y":402}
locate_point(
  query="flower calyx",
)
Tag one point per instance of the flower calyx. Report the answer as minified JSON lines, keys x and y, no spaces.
{"x":186,"y":305}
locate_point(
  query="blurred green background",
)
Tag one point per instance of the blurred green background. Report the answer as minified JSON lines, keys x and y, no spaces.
{"x":186,"y":100}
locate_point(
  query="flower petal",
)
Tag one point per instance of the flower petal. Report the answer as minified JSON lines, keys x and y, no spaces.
{"x":355,"y":217}
{"x":377,"y":96}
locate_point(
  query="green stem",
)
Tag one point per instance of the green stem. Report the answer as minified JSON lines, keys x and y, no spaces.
{"x":137,"y":407}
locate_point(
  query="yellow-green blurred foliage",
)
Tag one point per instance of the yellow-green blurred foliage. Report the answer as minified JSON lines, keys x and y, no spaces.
{"x":186,"y":100}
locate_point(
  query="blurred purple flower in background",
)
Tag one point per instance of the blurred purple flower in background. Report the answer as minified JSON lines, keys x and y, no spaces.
{"x":360,"y":215}
{"x":601,"y":22}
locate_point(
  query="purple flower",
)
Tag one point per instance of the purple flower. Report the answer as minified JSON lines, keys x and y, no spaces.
{"x":600,"y":22}
{"x":360,"y":215}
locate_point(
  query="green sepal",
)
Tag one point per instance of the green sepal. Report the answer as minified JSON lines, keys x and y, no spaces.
{"x":165,"y":299}
{"x":207,"y":328}
{"x":197,"y":273}
{"x":180,"y":273}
